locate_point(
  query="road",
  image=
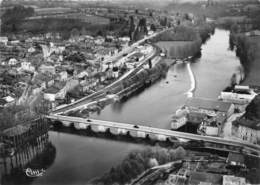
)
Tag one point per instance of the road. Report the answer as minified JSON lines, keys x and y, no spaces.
{"x":102,"y":92}
{"x":159,"y":132}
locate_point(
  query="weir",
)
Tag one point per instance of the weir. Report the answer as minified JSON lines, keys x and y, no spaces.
{"x":192,"y":81}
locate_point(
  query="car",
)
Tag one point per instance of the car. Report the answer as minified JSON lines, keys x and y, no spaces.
{"x":136,"y":126}
{"x":89,"y":120}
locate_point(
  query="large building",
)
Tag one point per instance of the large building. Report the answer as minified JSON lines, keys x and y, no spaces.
{"x":247,"y":130}
{"x":240,"y":95}
{"x":199,"y":108}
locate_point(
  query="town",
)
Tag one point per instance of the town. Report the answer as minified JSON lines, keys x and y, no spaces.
{"x":131,"y":74}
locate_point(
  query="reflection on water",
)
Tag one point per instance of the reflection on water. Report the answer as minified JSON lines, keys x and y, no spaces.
{"x":213,"y":71}
{"x":36,"y":157}
{"x":80,"y":158}
{"x":153,"y":105}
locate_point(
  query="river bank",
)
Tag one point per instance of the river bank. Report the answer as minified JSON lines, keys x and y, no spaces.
{"x":248,"y":50}
{"x":184,"y":41}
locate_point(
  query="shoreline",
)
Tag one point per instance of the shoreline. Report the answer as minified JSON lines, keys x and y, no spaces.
{"x":248,"y":51}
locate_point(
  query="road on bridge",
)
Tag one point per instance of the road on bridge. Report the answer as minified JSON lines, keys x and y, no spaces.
{"x":158,"y":131}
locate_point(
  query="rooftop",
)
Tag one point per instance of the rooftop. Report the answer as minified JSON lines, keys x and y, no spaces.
{"x":238,"y":158}
{"x":14,"y":131}
{"x":254,"y":124}
{"x":232,"y":180}
{"x":197,"y":178}
{"x":208,"y":104}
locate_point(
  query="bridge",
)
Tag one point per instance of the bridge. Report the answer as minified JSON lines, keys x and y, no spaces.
{"x":157,"y":134}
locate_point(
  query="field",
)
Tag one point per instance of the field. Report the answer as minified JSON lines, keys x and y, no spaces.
{"x":61,"y":25}
{"x":91,"y":19}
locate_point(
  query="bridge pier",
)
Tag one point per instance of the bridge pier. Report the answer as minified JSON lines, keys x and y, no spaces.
{"x":157,"y":137}
{"x":155,"y":134}
{"x":137,"y":134}
{"x":98,"y":128}
{"x":66,"y":123}
{"x":118,"y":131}
{"x":80,"y":126}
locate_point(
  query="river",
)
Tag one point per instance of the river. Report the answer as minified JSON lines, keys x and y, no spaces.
{"x":80,"y":158}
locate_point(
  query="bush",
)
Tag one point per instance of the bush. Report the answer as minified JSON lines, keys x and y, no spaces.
{"x":138,"y":161}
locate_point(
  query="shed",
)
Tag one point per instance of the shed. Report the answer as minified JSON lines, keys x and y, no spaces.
{"x":199,"y":178}
{"x":236,"y":159}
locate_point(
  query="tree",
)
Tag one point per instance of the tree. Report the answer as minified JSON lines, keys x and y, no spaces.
{"x":42,"y":108}
{"x":13,"y":17}
{"x":153,"y":28}
{"x":100,"y":33}
{"x":253,"y":109}
{"x":131,"y":27}
{"x":83,"y":31}
{"x":16,"y":14}
{"x":74,"y":32}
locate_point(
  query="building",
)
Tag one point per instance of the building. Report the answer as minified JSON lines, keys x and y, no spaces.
{"x":137,"y":56}
{"x":235,"y":159}
{"x":199,"y":178}
{"x":253,"y":33}
{"x":211,"y":125}
{"x":27,"y":66}
{"x":233,"y":180}
{"x":247,"y":130}
{"x":12,"y":62}
{"x":3,"y":102}
{"x":56,"y":91}
{"x":124,"y":39}
{"x":47,"y":68}
{"x":63,"y":76}
{"x":199,"y":108}
{"x":240,"y":95}
{"x":31,"y":50}
{"x":4,"y":40}
{"x":99,"y":40}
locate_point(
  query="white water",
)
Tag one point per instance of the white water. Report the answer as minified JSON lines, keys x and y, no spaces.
{"x":192,"y":82}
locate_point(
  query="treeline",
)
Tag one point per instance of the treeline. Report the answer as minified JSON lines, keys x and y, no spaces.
{"x":245,"y":49}
{"x":185,"y":50}
{"x":205,"y":30}
{"x":14,"y":21}
{"x":180,"y":33}
{"x":21,"y":114}
{"x":253,"y":109}
{"x":12,"y":17}
{"x":188,"y":40}
{"x":137,"y":162}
